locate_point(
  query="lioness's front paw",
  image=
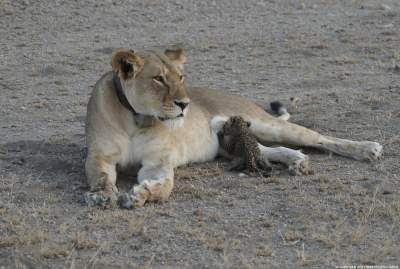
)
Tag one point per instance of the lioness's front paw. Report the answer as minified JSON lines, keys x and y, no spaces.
{"x":125,"y":201}
{"x":136,"y":198}
{"x":101,"y":199}
{"x":300,"y":167}
{"x":140,"y":195}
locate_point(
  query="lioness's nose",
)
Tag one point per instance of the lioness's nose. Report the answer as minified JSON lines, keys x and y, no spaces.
{"x":181,"y":104}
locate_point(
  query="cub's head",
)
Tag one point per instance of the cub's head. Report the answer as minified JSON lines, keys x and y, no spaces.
{"x":235,"y":125}
{"x":153,"y":83}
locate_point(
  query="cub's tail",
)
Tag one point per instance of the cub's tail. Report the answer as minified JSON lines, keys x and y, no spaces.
{"x":278,"y":108}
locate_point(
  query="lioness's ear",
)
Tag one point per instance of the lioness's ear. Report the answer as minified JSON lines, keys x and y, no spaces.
{"x":177,"y":56}
{"x":126,"y":63}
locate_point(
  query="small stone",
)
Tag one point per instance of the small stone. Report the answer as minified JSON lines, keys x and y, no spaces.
{"x":385,"y":7}
{"x":90,"y":199}
{"x":19,"y":161}
{"x":389,"y":25}
{"x":58,"y":82}
{"x":94,"y":199}
{"x":387,"y":192}
{"x":387,"y":10}
{"x":9,"y":11}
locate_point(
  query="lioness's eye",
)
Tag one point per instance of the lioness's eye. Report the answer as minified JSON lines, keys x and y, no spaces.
{"x":159,"y":79}
{"x":181,"y":77}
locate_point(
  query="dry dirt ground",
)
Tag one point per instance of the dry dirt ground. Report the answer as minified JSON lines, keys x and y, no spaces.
{"x":340,"y":58}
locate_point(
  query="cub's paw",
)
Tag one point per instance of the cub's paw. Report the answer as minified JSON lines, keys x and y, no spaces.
{"x":265,"y":167}
{"x":103,"y":199}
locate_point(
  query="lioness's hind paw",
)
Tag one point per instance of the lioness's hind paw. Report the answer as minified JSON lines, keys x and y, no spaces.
{"x":373,"y":151}
{"x":300,"y":167}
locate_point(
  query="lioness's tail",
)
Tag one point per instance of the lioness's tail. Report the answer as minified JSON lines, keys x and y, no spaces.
{"x":278,"y":108}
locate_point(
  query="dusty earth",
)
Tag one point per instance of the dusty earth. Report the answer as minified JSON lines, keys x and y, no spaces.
{"x":340,"y":58}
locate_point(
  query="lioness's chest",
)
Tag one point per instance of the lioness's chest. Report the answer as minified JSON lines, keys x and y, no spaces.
{"x":176,"y":147}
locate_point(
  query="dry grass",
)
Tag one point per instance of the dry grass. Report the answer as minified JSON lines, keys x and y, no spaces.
{"x":367,"y":212}
{"x":214,"y":242}
{"x":40,"y":104}
{"x":9,"y":241}
{"x":23,"y":237}
{"x":396,"y":55}
{"x":290,"y":237}
{"x":205,"y":171}
{"x":63,"y":228}
{"x":395,"y":213}
{"x":264,"y":251}
{"x":107,"y":218}
{"x":195,"y":191}
{"x":319,"y":46}
{"x":327,"y":240}
{"x":305,"y":259}
{"x":344,"y":60}
{"x":80,"y":241}
{"x":357,"y":236}
{"x":388,"y":249}
{"x":53,"y":251}
{"x":138,"y":229}
{"x":201,"y":215}
{"x":209,"y":239}
{"x":375,"y":100}
{"x":235,"y":261}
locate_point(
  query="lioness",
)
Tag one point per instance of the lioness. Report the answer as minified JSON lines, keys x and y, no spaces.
{"x":142,"y":113}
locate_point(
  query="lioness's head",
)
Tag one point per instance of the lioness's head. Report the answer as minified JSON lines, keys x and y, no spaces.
{"x":153,"y":83}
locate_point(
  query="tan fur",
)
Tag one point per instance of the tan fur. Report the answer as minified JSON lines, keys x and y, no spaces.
{"x":128,"y":56}
{"x":113,"y":137}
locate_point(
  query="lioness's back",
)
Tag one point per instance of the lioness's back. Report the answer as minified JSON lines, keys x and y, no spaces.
{"x":220,"y":103}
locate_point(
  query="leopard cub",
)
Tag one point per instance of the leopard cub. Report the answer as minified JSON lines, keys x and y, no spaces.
{"x":240,"y":145}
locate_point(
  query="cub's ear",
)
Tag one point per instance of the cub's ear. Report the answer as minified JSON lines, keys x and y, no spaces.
{"x":126,"y":63}
{"x":177,"y":56}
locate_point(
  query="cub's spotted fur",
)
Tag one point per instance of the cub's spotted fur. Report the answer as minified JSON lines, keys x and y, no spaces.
{"x":243,"y":146}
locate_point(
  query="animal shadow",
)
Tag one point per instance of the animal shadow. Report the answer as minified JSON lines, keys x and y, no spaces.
{"x":44,"y":160}
{"x":60,"y":162}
